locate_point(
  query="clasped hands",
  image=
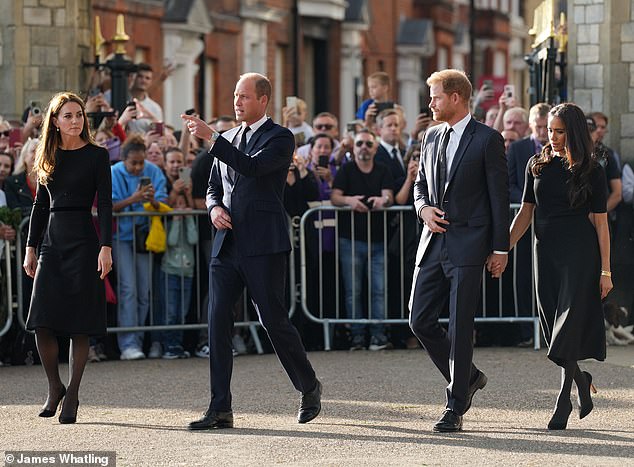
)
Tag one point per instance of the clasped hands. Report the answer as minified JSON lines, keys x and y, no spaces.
{"x":434,"y":219}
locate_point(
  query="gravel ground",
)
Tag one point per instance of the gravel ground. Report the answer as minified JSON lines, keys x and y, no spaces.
{"x":378,"y":409}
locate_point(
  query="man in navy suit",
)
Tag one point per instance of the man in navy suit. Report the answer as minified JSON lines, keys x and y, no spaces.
{"x":461,"y":196}
{"x":389,"y":151}
{"x":245,"y":204}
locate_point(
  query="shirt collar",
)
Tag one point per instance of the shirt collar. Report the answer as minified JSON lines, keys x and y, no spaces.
{"x":460,"y":127}
{"x":388,"y":147}
{"x":254,"y":126}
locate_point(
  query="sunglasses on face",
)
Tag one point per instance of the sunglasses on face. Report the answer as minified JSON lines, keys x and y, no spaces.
{"x":368,"y":144}
{"x":5,"y":133}
{"x":324,"y":126}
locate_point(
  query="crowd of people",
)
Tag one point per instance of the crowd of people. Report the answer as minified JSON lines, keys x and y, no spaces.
{"x":367,"y":164}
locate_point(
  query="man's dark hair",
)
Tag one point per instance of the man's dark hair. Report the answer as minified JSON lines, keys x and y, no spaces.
{"x":143,"y":67}
{"x":314,"y":139}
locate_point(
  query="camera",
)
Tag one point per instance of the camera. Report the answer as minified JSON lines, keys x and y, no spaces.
{"x":35,"y":108}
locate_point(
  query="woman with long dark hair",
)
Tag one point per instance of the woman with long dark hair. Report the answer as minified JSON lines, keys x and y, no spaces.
{"x":565,"y":188}
{"x":68,"y":296}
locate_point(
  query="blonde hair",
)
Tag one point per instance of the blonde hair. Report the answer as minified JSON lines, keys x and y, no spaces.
{"x":452,"y":81}
{"x":20,"y":165}
{"x":380,"y":77}
{"x":45,"y":156}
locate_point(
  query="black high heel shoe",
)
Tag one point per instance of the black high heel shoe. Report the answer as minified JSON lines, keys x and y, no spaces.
{"x":51,"y":413}
{"x":559,"y":420}
{"x":585,"y":399}
{"x":64,"y":419}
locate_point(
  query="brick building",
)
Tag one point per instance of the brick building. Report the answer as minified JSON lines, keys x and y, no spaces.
{"x":321,"y":50}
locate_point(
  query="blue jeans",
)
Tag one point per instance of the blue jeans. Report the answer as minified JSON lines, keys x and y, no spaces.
{"x":352,"y":289}
{"x":133,"y":271}
{"x":177,"y":298}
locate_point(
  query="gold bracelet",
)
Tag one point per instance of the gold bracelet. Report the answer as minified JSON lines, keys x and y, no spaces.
{"x":606,"y":273}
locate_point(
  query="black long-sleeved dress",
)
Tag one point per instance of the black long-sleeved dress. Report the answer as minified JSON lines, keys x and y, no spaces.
{"x":68,"y":296}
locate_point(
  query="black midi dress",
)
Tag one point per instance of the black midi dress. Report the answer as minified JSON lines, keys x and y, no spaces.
{"x":568,"y":262}
{"x":68,"y":296}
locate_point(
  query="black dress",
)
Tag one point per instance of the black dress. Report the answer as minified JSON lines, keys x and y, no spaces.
{"x":68,"y":295}
{"x":568,"y":263}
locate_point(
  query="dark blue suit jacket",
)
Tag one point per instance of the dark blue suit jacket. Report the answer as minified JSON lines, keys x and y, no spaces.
{"x":256,"y":200}
{"x":397,"y":171}
{"x":519,"y":154}
{"x":476,"y":201}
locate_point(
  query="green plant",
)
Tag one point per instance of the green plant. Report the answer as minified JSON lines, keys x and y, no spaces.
{"x":10,"y":216}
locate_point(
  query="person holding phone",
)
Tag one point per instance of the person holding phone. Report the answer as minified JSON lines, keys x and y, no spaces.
{"x":134,"y":182}
{"x":68,"y":297}
{"x":178,"y":180}
{"x":294,"y":118}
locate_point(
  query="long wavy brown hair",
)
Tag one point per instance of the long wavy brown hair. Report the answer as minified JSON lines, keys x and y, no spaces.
{"x":51,"y":140}
{"x":580,"y":157}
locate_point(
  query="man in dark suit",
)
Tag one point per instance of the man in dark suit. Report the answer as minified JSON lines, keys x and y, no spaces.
{"x":521,"y":151}
{"x":245,"y":204}
{"x":461,"y":195}
{"x":518,"y":155}
{"x":389,"y":151}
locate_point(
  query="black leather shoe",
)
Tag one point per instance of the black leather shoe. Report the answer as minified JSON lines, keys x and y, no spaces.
{"x":213,"y":419}
{"x":310,"y":405}
{"x":449,"y":422}
{"x":478,"y":383}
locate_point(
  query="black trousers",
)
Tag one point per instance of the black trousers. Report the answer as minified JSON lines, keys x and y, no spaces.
{"x":435,"y":281}
{"x":265,"y":278}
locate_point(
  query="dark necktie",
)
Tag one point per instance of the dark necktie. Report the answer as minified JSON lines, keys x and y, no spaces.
{"x":396,"y":157}
{"x":242,"y":148}
{"x":441,"y":176}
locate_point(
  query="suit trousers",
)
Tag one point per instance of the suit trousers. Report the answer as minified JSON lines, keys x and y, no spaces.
{"x":437,"y":280}
{"x":264,"y":277}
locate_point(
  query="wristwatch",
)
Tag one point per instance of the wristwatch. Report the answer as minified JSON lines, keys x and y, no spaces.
{"x":214,"y":136}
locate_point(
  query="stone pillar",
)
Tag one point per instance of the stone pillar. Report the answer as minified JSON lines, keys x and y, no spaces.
{"x":601,"y":65}
{"x":42,"y":43}
{"x":409,"y":75}
{"x":351,"y":72}
{"x":179,"y":91}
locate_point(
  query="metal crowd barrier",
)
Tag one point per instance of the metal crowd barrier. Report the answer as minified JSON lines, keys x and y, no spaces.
{"x":320,"y":218}
{"x":247,"y":319}
{"x":6,"y":290}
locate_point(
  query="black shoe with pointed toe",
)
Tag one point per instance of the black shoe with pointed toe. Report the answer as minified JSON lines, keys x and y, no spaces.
{"x":559,"y":420}
{"x":66,"y":419}
{"x":585,"y":398}
{"x":51,"y":413}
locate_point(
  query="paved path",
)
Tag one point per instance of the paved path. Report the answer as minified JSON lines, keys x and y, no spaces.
{"x":378,"y":410}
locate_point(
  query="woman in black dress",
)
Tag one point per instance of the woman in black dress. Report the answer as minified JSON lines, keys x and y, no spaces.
{"x":68,"y":296}
{"x":566,"y":189}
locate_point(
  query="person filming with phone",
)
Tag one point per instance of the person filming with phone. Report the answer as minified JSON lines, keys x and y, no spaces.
{"x":134,"y":181}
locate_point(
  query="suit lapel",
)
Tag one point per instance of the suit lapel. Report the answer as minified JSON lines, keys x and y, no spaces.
{"x":462,"y":146}
{"x":253,"y":141}
{"x":431,"y":165}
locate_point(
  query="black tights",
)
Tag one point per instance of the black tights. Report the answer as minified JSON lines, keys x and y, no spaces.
{"x":48,"y":349}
